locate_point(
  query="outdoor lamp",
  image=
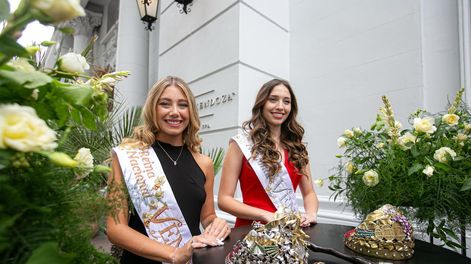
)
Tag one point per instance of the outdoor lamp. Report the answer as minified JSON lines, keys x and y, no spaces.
{"x":148,"y":9}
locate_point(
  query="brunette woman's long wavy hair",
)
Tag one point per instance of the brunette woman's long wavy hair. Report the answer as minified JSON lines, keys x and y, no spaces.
{"x":291,"y":132}
{"x":145,"y":134}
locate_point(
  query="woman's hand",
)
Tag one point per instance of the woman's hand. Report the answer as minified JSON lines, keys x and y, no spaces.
{"x":218,"y":229}
{"x":308,"y":218}
{"x":204,"y":240}
{"x":183,"y":254}
{"x":268,"y":216}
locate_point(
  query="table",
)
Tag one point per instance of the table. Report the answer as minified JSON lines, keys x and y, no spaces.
{"x":329,"y":235}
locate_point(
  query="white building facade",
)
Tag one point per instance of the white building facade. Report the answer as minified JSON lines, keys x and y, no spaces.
{"x":340,"y":56}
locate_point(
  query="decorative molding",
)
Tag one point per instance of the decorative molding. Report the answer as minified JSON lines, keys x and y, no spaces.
{"x":85,"y":25}
{"x":109,"y":45}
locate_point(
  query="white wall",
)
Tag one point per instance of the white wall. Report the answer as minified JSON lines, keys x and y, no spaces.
{"x":344,"y":55}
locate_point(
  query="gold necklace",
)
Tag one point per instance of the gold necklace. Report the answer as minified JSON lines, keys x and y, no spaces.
{"x":174,"y":161}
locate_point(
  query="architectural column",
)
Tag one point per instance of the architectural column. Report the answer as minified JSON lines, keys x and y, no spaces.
{"x":84,"y":28}
{"x":132,"y":55}
{"x":440,"y":52}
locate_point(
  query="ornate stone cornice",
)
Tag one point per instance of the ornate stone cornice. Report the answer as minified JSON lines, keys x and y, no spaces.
{"x":85,"y":24}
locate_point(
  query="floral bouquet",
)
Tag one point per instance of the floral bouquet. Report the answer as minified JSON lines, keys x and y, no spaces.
{"x":50,"y":185}
{"x":425,"y":170}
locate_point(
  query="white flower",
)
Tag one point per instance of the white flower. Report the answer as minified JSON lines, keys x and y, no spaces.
{"x":35,"y":94}
{"x":108,"y":80}
{"x":380,"y":145}
{"x":73,"y":63}
{"x":85,"y":162}
{"x":428,"y":170}
{"x":451,"y":119}
{"x":348,"y":133}
{"x":59,"y":10}
{"x":397,"y":125}
{"x":370,"y":178}
{"x":406,"y":141}
{"x":461,"y":137}
{"x":319,"y":182}
{"x":442,"y":154}
{"x":357,"y":130}
{"x":467,"y":128}
{"x":21,"y":129}
{"x":425,"y":125}
{"x":349,"y":167}
{"x":341,"y":141}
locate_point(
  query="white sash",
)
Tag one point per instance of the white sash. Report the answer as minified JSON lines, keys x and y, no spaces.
{"x":280,"y":188}
{"x":152,"y":196}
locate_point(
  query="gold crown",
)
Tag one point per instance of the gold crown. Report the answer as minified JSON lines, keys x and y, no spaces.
{"x":385,"y":233}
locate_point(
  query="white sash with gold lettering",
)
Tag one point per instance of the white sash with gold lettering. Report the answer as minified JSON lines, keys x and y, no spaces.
{"x":280,"y":188}
{"x":152,"y":196}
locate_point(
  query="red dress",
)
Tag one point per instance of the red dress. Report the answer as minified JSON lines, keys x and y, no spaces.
{"x":254,"y":194}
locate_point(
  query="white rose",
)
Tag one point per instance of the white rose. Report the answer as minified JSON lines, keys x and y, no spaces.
{"x":461,"y":137}
{"x":370,"y":178}
{"x":349,"y":167}
{"x":425,"y":125}
{"x":85,"y":162}
{"x":442,"y":153}
{"x":467,"y":128}
{"x":428,"y":170}
{"x":59,"y":10}
{"x":348,"y":133}
{"x":319,"y":182}
{"x":341,"y":141}
{"x":357,"y":130}
{"x":73,"y":63}
{"x":405,"y":141}
{"x":451,"y":119}
{"x":21,"y":129}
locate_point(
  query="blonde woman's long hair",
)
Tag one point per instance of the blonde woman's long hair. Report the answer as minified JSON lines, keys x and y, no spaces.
{"x":145,"y":134}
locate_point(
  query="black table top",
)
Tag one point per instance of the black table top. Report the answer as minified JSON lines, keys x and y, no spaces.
{"x":331,"y":236}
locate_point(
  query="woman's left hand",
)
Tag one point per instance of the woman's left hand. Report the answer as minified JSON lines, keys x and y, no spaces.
{"x":308,"y":218}
{"x":218,"y":228}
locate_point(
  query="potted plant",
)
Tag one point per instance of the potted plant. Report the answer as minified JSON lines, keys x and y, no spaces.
{"x":425,"y":169}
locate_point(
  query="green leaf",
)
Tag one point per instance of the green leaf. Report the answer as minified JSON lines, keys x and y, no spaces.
{"x":466,"y":185}
{"x":4,"y":9}
{"x":442,"y":166}
{"x":47,"y":43}
{"x":9,"y":47}
{"x":49,"y":253}
{"x":88,"y":118}
{"x":415,"y":168}
{"x":74,"y":93}
{"x":28,"y":80}
{"x":67,"y":30}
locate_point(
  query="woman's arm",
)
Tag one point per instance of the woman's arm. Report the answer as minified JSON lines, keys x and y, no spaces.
{"x":230,"y":177}
{"x":214,"y":226}
{"x":119,"y":233}
{"x":311,"y":203}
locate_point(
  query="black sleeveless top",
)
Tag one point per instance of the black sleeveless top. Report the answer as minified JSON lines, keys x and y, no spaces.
{"x":187,"y":182}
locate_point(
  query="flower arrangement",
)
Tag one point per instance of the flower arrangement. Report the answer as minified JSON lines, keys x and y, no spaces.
{"x":49,"y":201}
{"x":424,"y":169}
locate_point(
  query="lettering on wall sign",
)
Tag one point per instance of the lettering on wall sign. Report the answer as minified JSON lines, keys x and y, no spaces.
{"x":208,"y":104}
{"x":221,"y":99}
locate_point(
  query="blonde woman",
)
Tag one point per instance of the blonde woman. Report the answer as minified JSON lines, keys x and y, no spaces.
{"x":170,"y":184}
